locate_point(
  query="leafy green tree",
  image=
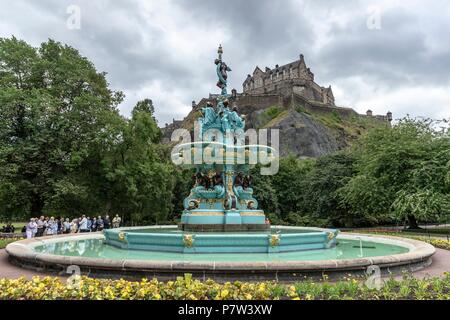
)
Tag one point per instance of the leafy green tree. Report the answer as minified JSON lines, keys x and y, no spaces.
{"x":400,"y":170}
{"x":140,"y":177}
{"x":321,"y":190}
{"x":266,"y":194}
{"x":290,"y":186}
{"x":57,"y":116}
{"x":422,"y":205}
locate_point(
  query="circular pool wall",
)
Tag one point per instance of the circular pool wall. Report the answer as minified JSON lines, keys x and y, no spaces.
{"x":171,"y":239}
{"x":398,"y":254}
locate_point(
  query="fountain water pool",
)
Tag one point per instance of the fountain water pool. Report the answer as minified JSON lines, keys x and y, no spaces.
{"x":98,"y":248}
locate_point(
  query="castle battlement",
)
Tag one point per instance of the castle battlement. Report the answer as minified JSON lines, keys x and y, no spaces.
{"x":294,"y":77}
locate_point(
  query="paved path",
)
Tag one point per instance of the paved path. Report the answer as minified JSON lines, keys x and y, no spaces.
{"x":8,"y":270}
{"x":441,"y":264}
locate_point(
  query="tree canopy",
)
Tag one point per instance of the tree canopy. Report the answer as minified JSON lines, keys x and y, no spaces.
{"x":64,"y":147}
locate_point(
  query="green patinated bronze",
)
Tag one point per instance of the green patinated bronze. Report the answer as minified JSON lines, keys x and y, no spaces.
{"x":222,"y":197}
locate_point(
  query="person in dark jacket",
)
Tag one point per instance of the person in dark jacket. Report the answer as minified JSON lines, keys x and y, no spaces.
{"x":100,"y":224}
{"x":107,"y":222}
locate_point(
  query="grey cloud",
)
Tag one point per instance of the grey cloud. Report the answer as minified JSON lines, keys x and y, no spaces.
{"x":395,"y":55}
{"x":119,"y":38}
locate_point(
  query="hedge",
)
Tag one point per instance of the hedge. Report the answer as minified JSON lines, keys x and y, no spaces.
{"x":186,"y":288}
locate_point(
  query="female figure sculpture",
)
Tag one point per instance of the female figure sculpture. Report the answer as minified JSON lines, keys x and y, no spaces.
{"x":221,"y":70}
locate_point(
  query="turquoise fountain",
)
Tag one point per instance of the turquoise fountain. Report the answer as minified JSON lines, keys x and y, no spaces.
{"x":221,"y":214}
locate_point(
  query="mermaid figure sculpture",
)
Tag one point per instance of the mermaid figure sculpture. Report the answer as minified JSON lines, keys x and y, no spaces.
{"x":221,"y":70}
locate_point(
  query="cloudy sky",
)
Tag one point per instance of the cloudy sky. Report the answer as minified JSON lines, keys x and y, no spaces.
{"x":383,"y":55}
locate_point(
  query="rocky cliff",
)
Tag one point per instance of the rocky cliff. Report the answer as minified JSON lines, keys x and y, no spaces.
{"x":306,"y":130}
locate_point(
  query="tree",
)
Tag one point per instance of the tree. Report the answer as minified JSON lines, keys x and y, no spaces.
{"x":290,"y":186}
{"x":140,"y":178}
{"x":58,"y":115}
{"x":401,"y":173}
{"x":322,"y":184}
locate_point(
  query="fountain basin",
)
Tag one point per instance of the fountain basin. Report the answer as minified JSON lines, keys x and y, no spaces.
{"x":353,"y":254}
{"x":171,"y":239}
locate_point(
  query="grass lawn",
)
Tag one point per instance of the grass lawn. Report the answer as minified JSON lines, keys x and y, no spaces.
{"x":434,"y":240}
{"x":5,"y":242}
{"x":441,"y":232}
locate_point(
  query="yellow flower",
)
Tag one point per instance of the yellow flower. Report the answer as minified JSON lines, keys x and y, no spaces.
{"x":224,"y":294}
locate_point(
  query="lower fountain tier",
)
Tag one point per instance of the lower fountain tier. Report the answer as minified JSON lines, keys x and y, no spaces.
{"x":205,"y":220}
{"x":176,"y":241}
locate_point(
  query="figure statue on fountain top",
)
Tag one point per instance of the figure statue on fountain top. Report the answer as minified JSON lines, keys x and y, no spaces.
{"x":222,"y":70}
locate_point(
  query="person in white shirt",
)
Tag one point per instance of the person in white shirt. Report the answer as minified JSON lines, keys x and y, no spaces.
{"x":74,"y":226}
{"x":31,"y":226}
{"x":83,"y":224}
{"x":50,"y":227}
{"x":66,"y":226}
{"x":116,"y":221}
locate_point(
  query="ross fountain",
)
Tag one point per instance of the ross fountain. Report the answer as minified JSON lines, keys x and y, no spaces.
{"x":221,"y":213}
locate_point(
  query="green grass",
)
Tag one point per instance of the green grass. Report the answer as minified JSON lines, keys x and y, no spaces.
{"x":5,"y":242}
{"x":433,"y":231}
{"x":437,"y":242}
{"x":269,"y":115}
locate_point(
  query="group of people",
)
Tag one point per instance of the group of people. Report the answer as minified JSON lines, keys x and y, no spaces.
{"x":9,"y":228}
{"x":45,"y":226}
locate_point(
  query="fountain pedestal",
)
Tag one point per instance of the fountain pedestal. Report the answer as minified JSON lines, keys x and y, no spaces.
{"x":223,"y":220}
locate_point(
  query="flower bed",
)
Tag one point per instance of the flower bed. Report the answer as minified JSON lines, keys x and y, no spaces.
{"x":189,"y":289}
{"x":438,"y":243}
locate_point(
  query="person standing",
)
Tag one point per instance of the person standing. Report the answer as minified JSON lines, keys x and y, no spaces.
{"x":100,"y":224}
{"x":49,"y":231}
{"x":83,"y":224}
{"x":116,"y":221}
{"x":55,"y":226}
{"x":60,"y":225}
{"x":89,"y":224}
{"x":66,"y":226}
{"x":94,"y":224}
{"x":107,"y":222}
{"x":35,"y":229}
{"x":74,"y":226}
{"x":46,"y":222}
{"x":40,"y":227}
{"x":30,"y":227}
